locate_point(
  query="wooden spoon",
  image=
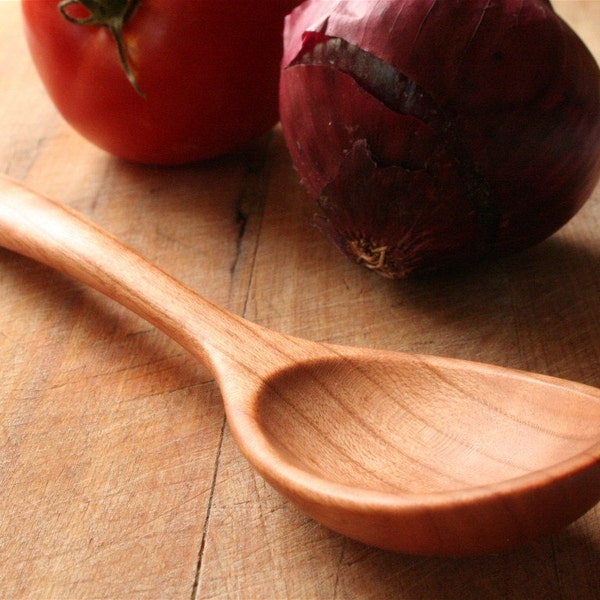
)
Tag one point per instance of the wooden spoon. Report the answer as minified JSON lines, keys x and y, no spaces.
{"x":406,"y":452}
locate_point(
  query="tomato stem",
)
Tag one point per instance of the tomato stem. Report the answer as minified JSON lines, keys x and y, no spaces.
{"x":112,"y":14}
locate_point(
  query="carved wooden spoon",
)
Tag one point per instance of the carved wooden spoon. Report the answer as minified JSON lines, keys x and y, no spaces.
{"x":409,"y":453}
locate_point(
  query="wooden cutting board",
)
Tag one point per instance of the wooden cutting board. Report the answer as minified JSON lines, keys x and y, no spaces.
{"x":118,"y":476}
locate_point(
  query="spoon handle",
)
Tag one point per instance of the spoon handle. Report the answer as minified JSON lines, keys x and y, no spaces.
{"x":60,"y":237}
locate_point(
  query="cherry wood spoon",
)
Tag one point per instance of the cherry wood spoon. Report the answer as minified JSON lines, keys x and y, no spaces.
{"x":410,"y":453}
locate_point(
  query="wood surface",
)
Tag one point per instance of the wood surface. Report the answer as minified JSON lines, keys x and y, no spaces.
{"x":118,"y":474}
{"x":407,"y":452}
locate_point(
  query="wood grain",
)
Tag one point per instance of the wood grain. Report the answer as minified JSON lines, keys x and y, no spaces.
{"x":118,"y":476}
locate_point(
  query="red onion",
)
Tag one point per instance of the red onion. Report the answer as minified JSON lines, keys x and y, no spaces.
{"x":438,"y":132}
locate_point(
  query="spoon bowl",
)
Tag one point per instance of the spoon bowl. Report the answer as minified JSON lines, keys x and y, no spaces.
{"x":410,"y":453}
{"x":429,"y":455}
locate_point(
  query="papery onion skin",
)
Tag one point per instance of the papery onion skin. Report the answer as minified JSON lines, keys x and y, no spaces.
{"x":487,"y":142}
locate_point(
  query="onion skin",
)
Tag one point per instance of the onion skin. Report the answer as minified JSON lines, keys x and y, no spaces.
{"x":436,"y":133}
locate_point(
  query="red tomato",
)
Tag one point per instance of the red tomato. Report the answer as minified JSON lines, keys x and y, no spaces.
{"x":208,"y":69}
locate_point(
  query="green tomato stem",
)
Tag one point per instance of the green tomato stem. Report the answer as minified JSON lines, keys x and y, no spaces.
{"x":112,"y":14}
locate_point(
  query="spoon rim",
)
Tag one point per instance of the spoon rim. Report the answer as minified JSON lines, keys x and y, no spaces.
{"x":282,"y":473}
